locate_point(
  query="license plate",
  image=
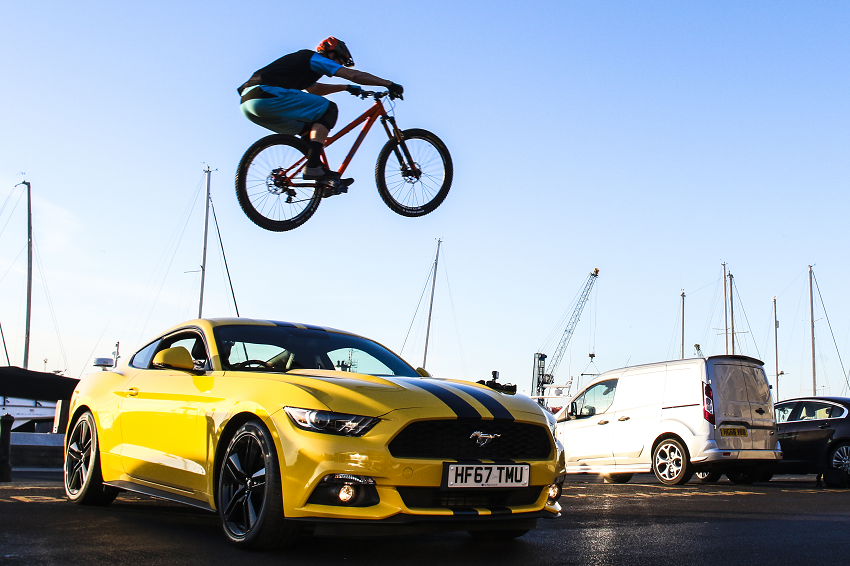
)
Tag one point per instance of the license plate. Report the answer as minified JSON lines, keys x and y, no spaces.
{"x":733,"y":432}
{"x":488,"y":475}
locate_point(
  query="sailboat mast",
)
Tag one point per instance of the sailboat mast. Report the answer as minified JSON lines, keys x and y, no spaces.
{"x":206,"y":231}
{"x":683,"y":324}
{"x":812,"y":320}
{"x":29,"y":276}
{"x":732,"y":311}
{"x":725,"y":311}
{"x":431,"y":305}
{"x":776,"y":346}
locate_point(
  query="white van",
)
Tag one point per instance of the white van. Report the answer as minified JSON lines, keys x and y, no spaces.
{"x":675,"y":418}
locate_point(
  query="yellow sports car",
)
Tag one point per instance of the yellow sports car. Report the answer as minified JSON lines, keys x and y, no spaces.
{"x":283,"y":428}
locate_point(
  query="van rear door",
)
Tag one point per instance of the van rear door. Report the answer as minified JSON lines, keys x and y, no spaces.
{"x":743,"y":407}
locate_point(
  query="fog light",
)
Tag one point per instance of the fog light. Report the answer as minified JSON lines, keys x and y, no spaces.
{"x":554,"y":492}
{"x":346,"y":493}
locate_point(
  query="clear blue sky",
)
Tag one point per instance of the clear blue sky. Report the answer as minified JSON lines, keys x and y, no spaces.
{"x":652,"y":140}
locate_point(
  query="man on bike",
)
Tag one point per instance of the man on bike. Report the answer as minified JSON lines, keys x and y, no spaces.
{"x":275,"y":98}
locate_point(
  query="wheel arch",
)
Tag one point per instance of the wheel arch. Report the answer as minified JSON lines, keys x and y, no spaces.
{"x":671,"y":435}
{"x":227,"y":434}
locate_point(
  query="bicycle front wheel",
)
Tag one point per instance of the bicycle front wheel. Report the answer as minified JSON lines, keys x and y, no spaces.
{"x":270,"y":187}
{"x":414,"y":178}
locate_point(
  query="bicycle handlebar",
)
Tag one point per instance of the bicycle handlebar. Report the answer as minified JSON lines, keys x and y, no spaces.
{"x":364,"y":94}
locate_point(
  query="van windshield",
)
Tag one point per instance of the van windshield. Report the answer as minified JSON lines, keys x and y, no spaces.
{"x":741,"y":382}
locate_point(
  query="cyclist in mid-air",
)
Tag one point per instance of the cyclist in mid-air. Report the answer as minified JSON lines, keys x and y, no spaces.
{"x":275,"y":98}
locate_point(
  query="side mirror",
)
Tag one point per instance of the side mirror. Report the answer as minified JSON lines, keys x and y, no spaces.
{"x":573,"y":409}
{"x":423,"y":372}
{"x":174,"y":358}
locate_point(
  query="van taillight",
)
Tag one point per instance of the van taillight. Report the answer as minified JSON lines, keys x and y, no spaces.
{"x":708,"y":404}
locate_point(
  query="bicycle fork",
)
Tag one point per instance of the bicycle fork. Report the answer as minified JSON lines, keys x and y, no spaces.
{"x":408,"y":166}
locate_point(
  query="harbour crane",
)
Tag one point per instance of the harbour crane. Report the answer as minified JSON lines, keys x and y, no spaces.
{"x":544,"y":374}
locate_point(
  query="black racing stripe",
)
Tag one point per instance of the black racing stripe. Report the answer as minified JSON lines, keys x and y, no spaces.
{"x":490,"y":403}
{"x":281,"y":323}
{"x":460,"y":407}
{"x":463,"y":511}
{"x":500,"y":510}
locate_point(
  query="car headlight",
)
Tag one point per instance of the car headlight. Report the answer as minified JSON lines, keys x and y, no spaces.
{"x":330,"y":423}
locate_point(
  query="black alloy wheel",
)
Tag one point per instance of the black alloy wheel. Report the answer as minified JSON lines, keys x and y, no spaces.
{"x":83,"y":478}
{"x":249,"y":498}
{"x":708,"y":477}
{"x":837,"y":473}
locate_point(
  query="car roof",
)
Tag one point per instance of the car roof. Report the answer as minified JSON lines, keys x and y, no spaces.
{"x":214,"y":322}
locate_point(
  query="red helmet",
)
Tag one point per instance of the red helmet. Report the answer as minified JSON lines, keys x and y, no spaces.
{"x":336,"y":46}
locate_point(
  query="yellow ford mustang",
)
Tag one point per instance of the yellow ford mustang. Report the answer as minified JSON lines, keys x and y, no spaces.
{"x":283,"y":428}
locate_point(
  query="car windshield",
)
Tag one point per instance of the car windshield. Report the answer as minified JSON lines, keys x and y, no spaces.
{"x":284,"y":348}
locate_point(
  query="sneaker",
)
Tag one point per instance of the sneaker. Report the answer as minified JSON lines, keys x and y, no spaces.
{"x":336,"y":187}
{"x":319,"y":174}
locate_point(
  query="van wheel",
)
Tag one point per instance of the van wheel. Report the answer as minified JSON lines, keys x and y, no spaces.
{"x":745,"y":476}
{"x":617,"y":478}
{"x":708,"y":477}
{"x":671,"y":463}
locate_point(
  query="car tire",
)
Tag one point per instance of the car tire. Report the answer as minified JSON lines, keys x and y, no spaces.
{"x":708,"y":477}
{"x":671,"y":462}
{"x":744,"y":476}
{"x":617,"y":478}
{"x":83,"y":476}
{"x":498,"y":535}
{"x":248,"y":495}
{"x":837,"y":473}
{"x":766,"y":476}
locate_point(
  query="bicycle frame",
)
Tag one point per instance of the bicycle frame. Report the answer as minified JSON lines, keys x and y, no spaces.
{"x":368,"y":119}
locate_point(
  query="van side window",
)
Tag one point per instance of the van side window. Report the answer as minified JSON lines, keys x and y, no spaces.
{"x":596,"y":399}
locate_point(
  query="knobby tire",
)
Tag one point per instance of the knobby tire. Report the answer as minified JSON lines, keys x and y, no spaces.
{"x":265,"y":203}
{"x":414,"y":194}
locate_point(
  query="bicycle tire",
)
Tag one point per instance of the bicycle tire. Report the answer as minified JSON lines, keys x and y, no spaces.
{"x":262,"y":193}
{"x":418,"y":191}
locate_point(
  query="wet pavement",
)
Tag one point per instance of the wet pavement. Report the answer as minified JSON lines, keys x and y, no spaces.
{"x":785,"y":521}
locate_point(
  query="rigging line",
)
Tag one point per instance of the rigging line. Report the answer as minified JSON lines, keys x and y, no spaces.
{"x":13,"y":262}
{"x":454,"y":315}
{"x":670,"y":348}
{"x":711,"y":314}
{"x":769,"y":324}
{"x":750,"y":326}
{"x":823,"y":306}
{"x":427,"y":282}
{"x":5,"y":349}
{"x":701,"y":288}
{"x":155,"y":273}
{"x":96,"y":344}
{"x":558,"y":330}
{"x":227,"y":269}
{"x":49,"y":302}
{"x":173,"y":257}
{"x":8,"y":198}
{"x":792,"y":282}
{"x":11,"y":212}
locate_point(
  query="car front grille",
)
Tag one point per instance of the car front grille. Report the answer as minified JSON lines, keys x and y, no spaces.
{"x":451,"y":440}
{"x":430,"y":497}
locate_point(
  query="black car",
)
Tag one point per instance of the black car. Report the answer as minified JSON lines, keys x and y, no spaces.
{"x":814,"y":433}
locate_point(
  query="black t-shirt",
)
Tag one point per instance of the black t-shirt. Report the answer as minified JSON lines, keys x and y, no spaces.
{"x":290,"y":71}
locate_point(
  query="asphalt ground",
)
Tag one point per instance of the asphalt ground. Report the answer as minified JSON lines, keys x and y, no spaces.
{"x":786,"y":521}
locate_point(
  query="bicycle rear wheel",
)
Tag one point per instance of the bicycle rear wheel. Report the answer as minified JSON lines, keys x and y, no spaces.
{"x":417,"y":187}
{"x":270,"y":187}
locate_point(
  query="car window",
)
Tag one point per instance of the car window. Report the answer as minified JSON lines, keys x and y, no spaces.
{"x":284,"y":348}
{"x":596,"y":399}
{"x":783,"y":412}
{"x":142,"y":358}
{"x":194,"y":344}
{"x":811,"y":410}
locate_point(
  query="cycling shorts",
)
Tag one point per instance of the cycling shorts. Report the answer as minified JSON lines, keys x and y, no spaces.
{"x":286,"y":111}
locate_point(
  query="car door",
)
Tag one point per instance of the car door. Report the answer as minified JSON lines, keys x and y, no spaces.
{"x":164,"y":436}
{"x":804,"y":440}
{"x":638,"y":412}
{"x":587,"y":434}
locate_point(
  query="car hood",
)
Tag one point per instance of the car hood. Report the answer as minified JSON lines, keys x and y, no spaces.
{"x":355,"y":393}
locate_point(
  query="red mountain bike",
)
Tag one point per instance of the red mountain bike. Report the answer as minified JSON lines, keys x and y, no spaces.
{"x":413,"y":172}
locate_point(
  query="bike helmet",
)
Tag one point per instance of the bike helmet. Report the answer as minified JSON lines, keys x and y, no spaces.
{"x":336,"y":46}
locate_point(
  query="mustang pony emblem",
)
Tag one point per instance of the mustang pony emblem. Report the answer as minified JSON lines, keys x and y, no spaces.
{"x":483,"y":439}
